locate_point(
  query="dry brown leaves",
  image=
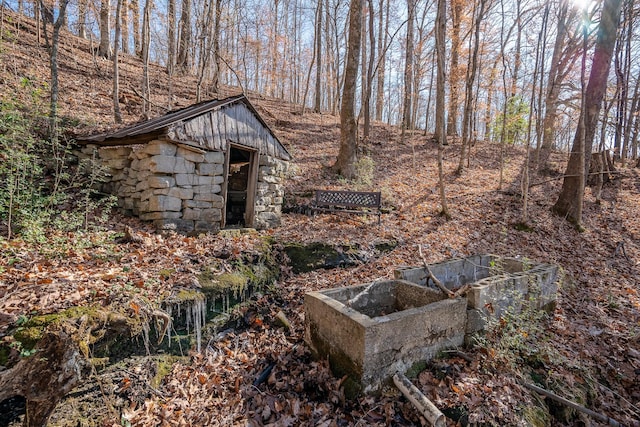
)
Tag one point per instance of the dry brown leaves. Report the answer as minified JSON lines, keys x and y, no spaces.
{"x":596,"y":324}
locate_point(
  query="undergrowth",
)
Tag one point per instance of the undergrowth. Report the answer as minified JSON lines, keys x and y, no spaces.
{"x":520,"y":342}
{"x":47,"y":190}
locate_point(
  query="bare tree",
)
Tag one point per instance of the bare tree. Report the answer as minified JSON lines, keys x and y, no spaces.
{"x":104,"y":49}
{"x":215,"y":80}
{"x":318,"y":57}
{"x":570,"y":200}
{"x":124,"y":26}
{"x":53,"y":47}
{"x":82,"y":19}
{"x":440,"y":135}
{"x":471,"y":77}
{"x":171,"y":36}
{"x":383,"y":35}
{"x":563,"y":50}
{"x":408,"y":68}
{"x":345,"y":162}
{"x":135,"y":17}
{"x":454,"y":70}
{"x":146,"y":34}
{"x":183,"y":61}
{"x":116,"y":70}
{"x":369,"y":74}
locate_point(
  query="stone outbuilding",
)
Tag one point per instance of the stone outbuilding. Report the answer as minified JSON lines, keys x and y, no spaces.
{"x":209,"y":166}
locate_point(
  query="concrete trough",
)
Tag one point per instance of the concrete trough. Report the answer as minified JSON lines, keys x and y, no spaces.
{"x":497,"y":284}
{"x":371,"y":331}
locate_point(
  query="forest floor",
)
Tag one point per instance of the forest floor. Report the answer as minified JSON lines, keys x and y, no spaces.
{"x":587,"y":350}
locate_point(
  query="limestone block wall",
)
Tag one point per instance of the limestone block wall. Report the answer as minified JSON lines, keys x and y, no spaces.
{"x":179,"y":187}
{"x":270,"y":192}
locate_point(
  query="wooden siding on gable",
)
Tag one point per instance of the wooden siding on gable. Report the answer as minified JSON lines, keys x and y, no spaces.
{"x":235,"y":123}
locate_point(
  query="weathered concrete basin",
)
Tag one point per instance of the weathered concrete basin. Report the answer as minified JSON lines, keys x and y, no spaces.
{"x":496,"y":284}
{"x":374,"y":330}
{"x":371,"y":331}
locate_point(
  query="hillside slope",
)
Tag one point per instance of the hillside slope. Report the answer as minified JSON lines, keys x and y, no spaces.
{"x":588,"y":350}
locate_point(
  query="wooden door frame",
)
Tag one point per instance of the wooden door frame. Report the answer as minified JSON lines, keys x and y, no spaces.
{"x":252,"y":183}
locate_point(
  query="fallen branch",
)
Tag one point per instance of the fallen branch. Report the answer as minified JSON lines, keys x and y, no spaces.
{"x":419,"y":400}
{"x":438,"y":283}
{"x":600,"y":417}
{"x":443,"y":288}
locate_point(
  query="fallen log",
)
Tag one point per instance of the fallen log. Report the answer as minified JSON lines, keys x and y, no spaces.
{"x":419,"y":400}
{"x":45,"y":377}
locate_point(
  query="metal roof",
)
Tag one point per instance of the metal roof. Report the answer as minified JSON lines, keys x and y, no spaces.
{"x":153,"y":127}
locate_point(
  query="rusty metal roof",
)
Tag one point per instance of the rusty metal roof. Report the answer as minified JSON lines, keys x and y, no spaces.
{"x":149,"y":129}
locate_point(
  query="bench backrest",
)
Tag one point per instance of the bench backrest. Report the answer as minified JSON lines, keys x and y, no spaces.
{"x":350,"y":199}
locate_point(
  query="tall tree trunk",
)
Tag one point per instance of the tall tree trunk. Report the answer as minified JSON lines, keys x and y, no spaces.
{"x":104,"y":49}
{"x":471,"y":77}
{"x":183,"y":62}
{"x":116,"y":70}
{"x":524,"y":184}
{"x":454,"y":69}
{"x":215,"y":81}
{"x":82,"y":19}
{"x":554,"y":81}
{"x":124,"y":26}
{"x":627,"y":119}
{"x":383,"y":34}
{"x":53,"y":46}
{"x":408,"y":68}
{"x":146,"y":30}
{"x":440,"y":31}
{"x":369,"y":79}
{"x":633,"y":120}
{"x":318,"y":56}
{"x":206,"y":47}
{"x":569,"y":203}
{"x":135,"y":17}
{"x":621,"y":91}
{"x":517,"y":61}
{"x":345,"y":162}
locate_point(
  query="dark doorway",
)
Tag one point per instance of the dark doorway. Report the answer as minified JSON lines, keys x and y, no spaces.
{"x":240,"y":189}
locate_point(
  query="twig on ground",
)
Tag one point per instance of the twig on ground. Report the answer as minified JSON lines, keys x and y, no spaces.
{"x":600,"y":417}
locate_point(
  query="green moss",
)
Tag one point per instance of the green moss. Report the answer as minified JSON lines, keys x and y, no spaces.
{"x":305,"y":258}
{"x":536,"y":416}
{"x":415,"y":369}
{"x":164,"y":365}
{"x":187,"y":295}
{"x":28,"y":337}
{"x":4,"y":355}
{"x":230,"y":282}
{"x":32,"y":330}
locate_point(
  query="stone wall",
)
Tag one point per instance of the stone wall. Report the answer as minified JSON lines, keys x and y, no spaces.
{"x":270,"y":192}
{"x":179,"y":187}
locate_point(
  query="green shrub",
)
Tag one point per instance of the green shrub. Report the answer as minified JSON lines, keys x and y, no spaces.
{"x":44,"y":189}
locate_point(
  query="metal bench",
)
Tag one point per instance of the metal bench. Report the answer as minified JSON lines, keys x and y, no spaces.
{"x":356,"y":202}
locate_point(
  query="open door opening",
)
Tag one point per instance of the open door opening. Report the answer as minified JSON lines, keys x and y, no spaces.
{"x":241,"y":172}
